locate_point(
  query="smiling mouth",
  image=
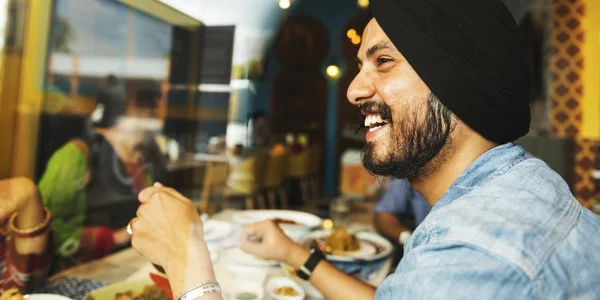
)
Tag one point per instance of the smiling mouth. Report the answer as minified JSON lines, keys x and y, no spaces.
{"x":374,"y":122}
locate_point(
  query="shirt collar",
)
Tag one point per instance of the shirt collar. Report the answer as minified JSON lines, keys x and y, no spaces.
{"x":489,"y":165}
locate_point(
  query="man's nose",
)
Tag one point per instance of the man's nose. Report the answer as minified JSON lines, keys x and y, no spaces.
{"x":360,"y":90}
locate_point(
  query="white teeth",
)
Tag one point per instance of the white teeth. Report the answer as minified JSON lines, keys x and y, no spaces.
{"x":374,"y":128}
{"x":373,"y":119}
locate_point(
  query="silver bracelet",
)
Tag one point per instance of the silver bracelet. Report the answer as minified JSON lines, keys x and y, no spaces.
{"x":203,"y":289}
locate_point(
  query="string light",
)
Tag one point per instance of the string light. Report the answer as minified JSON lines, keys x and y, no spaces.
{"x":285,"y":4}
{"x":351,"y":33}
{"x":356,"y":40}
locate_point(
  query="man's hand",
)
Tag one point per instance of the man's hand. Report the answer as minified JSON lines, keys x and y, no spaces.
{"x":168,"y":232}
{"x":166,"y":224}
{"x":388,"y":225}
{"x":267,"y":240}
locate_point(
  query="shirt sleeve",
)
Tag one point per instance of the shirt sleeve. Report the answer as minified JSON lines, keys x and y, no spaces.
{"x":24,"y":271}
{"x":63,"y":192}
{"x":396,"y":198}
{"x":455,"y":271}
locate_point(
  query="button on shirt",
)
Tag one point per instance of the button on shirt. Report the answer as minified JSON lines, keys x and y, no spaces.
{"x":508,"y":228}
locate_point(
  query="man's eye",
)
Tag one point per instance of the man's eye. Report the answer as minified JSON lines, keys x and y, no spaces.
{"x":383,"y":60}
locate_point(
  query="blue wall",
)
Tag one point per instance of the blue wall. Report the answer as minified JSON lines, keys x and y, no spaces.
{"x":333,"y":14}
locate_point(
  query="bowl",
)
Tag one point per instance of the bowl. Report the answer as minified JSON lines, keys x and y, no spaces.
{"x":279,"y":282}
{"x":246,"y":291}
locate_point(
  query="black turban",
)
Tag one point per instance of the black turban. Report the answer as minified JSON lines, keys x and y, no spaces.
{"x":470,"y":54}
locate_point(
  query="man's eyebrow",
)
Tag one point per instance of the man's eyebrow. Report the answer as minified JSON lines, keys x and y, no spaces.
{"x":375,"y":48}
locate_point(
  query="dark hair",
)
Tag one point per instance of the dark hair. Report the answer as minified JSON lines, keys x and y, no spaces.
{"x":148,"y":95}
{"x":114,"y":100}
{"x":257,"y":114}
{"x":111,"y":79}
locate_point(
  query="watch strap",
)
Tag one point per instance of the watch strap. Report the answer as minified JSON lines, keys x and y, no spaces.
{"x":309,"y":266}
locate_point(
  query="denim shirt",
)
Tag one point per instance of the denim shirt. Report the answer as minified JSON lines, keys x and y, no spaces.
{"x":507,"y":228}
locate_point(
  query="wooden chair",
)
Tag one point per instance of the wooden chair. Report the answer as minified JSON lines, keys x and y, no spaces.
{"x":215,"y":179}
{"x":316,"y":156}
{"x":298,"y":167}
{"x":246,"y":178}
{"x":275,"y":174}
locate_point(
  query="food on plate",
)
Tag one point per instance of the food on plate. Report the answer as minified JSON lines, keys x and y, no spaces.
{"x":279,"y":221}
{"x":341,"y":240}
{"x":286,"y":291}
{"x":150,"y":292}
{"x":11,"y":294}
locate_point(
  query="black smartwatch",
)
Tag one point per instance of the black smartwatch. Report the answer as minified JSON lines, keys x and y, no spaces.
{"x":309,"y":266}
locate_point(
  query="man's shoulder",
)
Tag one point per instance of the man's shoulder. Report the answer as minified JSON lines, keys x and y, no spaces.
{"x":519,"y":216}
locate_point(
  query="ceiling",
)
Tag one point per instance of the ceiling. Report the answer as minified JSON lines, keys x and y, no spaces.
{"x":256,"y":21}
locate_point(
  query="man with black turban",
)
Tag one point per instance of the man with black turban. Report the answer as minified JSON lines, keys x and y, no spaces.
{"x":444,"y":88}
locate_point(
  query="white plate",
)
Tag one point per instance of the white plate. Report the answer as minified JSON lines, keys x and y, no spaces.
{"x":244,"y":258}
{"x":373,"y":246}
{"x":214,"y":256}
{"x":277,"y":282}
{"x":45,"y":297}
{"x":216,"y":230}
{"x":304,"y":220}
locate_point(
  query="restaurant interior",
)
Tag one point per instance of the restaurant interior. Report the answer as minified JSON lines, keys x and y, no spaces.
{"x":241,"y":107}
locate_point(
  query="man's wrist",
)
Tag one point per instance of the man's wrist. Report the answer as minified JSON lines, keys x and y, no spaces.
{"x":190,"y":266}
{"x":31,"y":213}
{"x":296,"y":256}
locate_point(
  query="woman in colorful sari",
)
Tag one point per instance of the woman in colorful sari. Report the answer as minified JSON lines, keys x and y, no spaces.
{"x":106,"y":169}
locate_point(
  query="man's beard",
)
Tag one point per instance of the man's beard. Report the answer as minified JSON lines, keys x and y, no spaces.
{"x":412,"y":145}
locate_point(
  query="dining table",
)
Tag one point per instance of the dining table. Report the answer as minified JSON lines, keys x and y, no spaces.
{"x":129,"y":265}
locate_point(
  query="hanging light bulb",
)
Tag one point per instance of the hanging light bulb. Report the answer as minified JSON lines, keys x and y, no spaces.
{"x":363,"y":3}
{"x":333,"y":71}
{"x":285,"y":4}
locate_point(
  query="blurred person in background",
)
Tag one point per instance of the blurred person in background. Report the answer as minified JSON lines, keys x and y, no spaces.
{"x":400,"y":211}
{"x":113,"y":163}
{"x":26,"y":245}
{"x":261,"y":134}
